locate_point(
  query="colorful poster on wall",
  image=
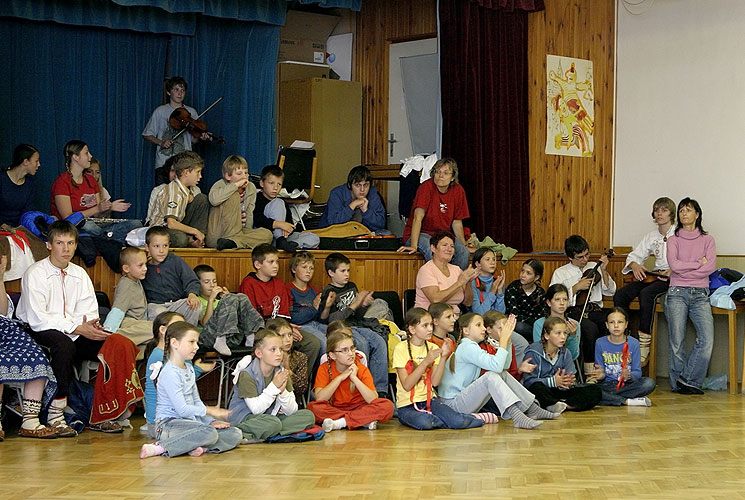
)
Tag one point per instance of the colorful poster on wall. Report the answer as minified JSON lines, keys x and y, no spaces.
{"x":570,"y":107}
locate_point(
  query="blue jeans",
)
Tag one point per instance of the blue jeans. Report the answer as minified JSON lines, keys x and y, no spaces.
{"x":118,"y":230}
{"x":377,"y":356}
{"x":318,"y":330}
{"x":180,"y":435}
{"x":442,"y":417}
{"x":631,"y":389}
{"x":460,"y":257}
{"x":681,"y":303}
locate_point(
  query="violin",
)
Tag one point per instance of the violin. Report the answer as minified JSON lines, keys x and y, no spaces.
{"x":583,"y":296}
{"x":651,"y":277}
{"x":182,"y":120}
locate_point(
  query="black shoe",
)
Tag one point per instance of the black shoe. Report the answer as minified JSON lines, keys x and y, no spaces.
{"x":225,"y":244}
{"x":684,"y":387}
{"x":287,"y":246}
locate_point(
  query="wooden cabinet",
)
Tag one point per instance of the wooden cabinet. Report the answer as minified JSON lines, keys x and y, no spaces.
{"x":329,"y":114}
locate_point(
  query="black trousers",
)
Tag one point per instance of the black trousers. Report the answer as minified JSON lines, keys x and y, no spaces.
{"x":64,"y":354}
{"x":580,"y":398}
{"x":647,"y":293}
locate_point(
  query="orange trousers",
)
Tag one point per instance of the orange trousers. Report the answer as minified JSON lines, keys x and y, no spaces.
{"x":356,"y":414}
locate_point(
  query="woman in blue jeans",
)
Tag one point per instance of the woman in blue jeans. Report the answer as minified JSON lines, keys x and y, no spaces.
{"x":692,"y":256}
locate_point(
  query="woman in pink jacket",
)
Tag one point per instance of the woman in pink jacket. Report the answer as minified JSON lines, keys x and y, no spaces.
{"x":692,"y":256}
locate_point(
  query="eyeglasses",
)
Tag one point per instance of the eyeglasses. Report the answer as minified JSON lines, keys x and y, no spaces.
{"x":346,"y":350}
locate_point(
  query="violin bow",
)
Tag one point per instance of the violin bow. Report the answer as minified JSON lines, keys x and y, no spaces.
{"x":197,"y":118}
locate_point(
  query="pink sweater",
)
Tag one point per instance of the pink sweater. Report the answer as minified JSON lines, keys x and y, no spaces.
{"x":684,"y":254}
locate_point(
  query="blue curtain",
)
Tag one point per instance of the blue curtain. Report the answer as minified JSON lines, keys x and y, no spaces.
{"x":237,"y":61}
{"x":99,"y":86}
{"x":155,"y":16}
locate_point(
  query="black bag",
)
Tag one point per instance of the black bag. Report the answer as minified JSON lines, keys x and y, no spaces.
{"x":360,"y":243}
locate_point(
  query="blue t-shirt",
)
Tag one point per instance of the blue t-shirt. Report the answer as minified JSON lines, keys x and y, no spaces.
{"x":609,"y":357}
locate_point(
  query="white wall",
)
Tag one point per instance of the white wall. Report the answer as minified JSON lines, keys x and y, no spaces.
{"x":680,"y":118}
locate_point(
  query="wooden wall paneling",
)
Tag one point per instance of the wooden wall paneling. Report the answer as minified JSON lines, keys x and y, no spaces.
{"x":571,"y":195}
{"x":378,"y":23}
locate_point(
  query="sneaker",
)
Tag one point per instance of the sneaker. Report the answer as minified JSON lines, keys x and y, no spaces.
{"x":685,"y":387}
{"x":372,"y":425}
{"x":643,"y":401}
{"x":287,"y":246}
{"x":108,"y":427}
{"x":144,"y":430}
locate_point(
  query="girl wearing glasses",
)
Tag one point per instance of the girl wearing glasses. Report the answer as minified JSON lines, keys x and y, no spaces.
{"x":345,"y":392}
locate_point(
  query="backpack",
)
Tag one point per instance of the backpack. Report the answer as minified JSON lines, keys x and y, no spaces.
{"x":723,"y":277}
{"x":314,"y":433}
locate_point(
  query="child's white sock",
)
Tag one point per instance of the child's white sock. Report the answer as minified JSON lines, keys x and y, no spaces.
{"x":372,"y":425}
{"x":221,"y":346}
{"x":557,"y":407}
{"x":643,"y":401}
{"x":151,"y":450}
{"x":487,"y":417}
{"x":333,"y":425}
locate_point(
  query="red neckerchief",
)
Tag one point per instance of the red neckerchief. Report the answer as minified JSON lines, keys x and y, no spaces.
{"x":624,"y":363}
{"x":427,"y":382}
{"x":481,"y":292}
{"x":18,"y":237}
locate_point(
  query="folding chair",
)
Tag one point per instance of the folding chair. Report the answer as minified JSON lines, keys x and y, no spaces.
{"x":299,"y":166}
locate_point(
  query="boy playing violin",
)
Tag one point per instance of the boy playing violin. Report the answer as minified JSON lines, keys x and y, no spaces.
{"x":160,"y":133}
{"x":571,"y":275}
{"x":648,"y":287}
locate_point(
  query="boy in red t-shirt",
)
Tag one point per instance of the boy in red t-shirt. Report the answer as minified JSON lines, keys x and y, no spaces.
{"x":271,"y":298}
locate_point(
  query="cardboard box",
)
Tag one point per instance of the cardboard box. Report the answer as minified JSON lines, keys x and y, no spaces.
{"x":303,"y":37}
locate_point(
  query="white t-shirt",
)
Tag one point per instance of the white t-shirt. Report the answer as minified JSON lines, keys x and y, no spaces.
{"x":158,"y":127}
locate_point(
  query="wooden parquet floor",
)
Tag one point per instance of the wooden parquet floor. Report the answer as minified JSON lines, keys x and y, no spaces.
{"x":683,"y":447}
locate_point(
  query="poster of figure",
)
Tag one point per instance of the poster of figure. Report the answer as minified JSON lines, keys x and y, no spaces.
{"x":570,"y":107}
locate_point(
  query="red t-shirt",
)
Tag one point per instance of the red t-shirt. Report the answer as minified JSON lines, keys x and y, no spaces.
{"x":269,"y":298}
{"x":82,"y":196}
{"x":345,"y":393}
{"x":440,"y":209}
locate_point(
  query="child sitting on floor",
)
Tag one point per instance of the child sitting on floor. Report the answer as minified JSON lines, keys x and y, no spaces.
{"x":154,"y":354}
{"x":228,"y":319}
{"x":463,"y":390}
{"x":344,"y":389}
{"x":263,"y":404}
{"x":419,"y":369}
{"x":553,"y":379}
{"x":618,"y":365}
{"x":183,"y":424}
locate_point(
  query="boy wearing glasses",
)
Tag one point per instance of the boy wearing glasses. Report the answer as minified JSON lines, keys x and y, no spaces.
{"x":570,"y":275}
{"x":357,"y":201}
